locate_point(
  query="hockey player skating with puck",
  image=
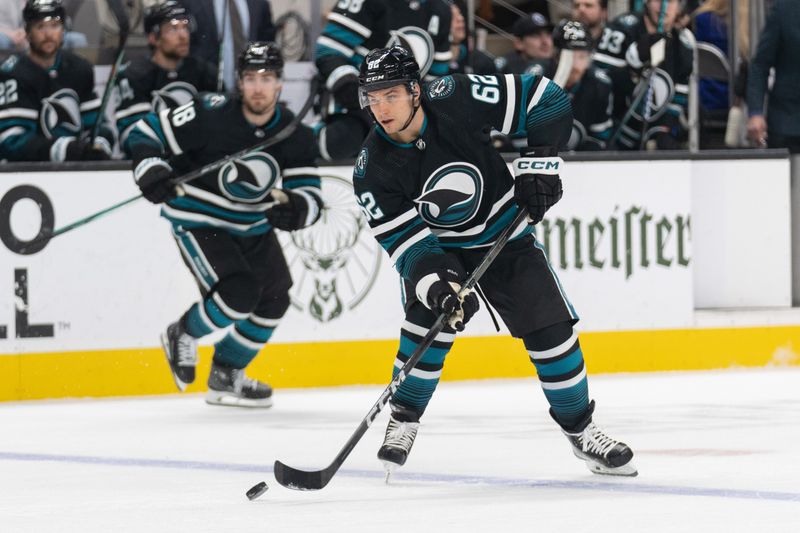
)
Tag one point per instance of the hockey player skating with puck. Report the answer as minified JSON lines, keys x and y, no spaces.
{"x":437,"y":194}
{"x":223,"y":222}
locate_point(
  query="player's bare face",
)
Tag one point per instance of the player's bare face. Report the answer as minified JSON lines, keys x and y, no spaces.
{"x":458,"y":28}
{"x":581,"y":59}
{"x":588,"y":12}
{"x":391,"y":106}
{"x":537,"y":46}
{"x":173,"y":39}
{"x":45,"y":36}
{"x":260,"y":90}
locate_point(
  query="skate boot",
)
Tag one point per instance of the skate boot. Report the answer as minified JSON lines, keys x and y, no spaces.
{"x":399,"y":438}
{"x":181,"y":351}
{"x":603,"y":455}
{"x":230,"y":386}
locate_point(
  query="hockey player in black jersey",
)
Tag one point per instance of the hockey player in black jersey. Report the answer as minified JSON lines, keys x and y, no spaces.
{"x":47,"y":101}
{"x":223,"y":222}
{"x":624,"y":52}
{"x":589,"y":88}
{"x":436,"y":195}
{"x":354,"y":27}
{"x":169,"y":77}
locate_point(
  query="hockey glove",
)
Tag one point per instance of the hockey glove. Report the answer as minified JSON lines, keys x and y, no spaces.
{"x":645,"y":44}
{"x":345,"y":87}
{"x":439,"y":293}
{"x":537,"y":186}
{"x":153,"y":176}
{"x":293,"y":210}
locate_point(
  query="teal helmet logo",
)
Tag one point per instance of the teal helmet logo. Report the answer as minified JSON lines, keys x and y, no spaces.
{"x":250,"y":178}
{"x":451,"y":195}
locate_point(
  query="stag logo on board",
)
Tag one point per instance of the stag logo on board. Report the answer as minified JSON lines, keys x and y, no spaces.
{"x":336,"y":261}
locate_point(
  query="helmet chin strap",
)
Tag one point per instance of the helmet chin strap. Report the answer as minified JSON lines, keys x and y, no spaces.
{"x":412,"y":115}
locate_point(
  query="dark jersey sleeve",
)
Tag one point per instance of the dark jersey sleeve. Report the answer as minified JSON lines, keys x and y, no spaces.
{"x":133,"y":100}
{"x":20,"y":139}
{"x":339,"y":49}
{"x":441,"y":18}
{"x":512,"y":104}
{"x":385,"y":198}
{"x":90,"y":104}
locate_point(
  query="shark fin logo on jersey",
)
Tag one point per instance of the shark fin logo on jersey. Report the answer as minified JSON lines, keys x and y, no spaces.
{"x":171,"y":95}
{"x":60,"y":115}
{"x":250,"y":178}
{"x":360,"y":168}
{"x":441,"y":88}
{"x":213,"y":100}
{"x":451,"y":195}
{"x":419,"y":42}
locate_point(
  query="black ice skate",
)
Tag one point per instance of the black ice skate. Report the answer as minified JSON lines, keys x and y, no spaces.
{"x":399,"y":438}
{"x":603,"y":455}
{"x":230,"y":386}
{"x":181,"y":351}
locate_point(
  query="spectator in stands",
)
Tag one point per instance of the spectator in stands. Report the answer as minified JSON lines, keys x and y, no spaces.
{"x":778,"y":48}
{"x":533,"y":47}
{"x":109,"y":30}
{"x":593,"y":14}
{"x":244,"y":21}
{"x":466,"y":59}
{"x":48,"y":106}
{"x":169,"y":77}
{"x":12,"y":30}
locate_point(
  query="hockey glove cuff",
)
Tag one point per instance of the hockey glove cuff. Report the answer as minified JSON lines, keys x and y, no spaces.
{"x":343,"y":83}
{"x":153,"y":176}
{"x":537,"y":185}
{"x":294,"y":210}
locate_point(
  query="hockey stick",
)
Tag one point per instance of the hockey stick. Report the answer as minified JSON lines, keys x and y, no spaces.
{"x":316,"y":479}
{"x":220,"y":53}
{"x":194,"y":174}
{"x":123,"y":23}
{"x":647,"y":108}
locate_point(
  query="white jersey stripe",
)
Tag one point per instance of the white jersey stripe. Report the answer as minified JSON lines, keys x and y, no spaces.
{"x":511,"y":104}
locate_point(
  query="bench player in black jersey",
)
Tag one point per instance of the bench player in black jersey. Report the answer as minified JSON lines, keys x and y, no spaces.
{"x":223,"y":222}
{"x":170,"y":77}
{"x":436,"y":195}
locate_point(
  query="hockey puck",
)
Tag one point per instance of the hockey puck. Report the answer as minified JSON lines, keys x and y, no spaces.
{"x":257,"y":490}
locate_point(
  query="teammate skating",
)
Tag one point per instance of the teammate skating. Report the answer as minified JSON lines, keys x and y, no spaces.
{"x":436,"y":195}
{"x":223,"y":222}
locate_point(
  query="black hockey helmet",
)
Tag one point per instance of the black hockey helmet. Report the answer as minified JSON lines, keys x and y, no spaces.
{"x":158,"y":14}
{"x":386,"y":67}
{"x":572,"y":35}
{"x":261,"y":55}
{"x":42,"y":10}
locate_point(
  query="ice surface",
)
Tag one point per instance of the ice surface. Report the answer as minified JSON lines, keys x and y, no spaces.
{"x":716,"y":451}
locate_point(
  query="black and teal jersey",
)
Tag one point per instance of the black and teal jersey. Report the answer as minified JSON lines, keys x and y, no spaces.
{"x":143,"y":86}
{"x":592,"y":103}
{"x":234,"y":197}
{"x":355,"y":27}
{"x":42,"y":108}
{"x":618,"y":54}
{"x":451,"y":188}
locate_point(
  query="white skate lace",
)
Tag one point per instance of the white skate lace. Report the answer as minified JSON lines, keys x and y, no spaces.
{"x":240,"y":380}
{"x":401,"y":434}
{"x":187,"y":350}
{"x":593,"y":440}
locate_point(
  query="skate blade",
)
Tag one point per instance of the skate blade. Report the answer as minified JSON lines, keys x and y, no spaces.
{"x":230,"y":400}
{"x":164,"y":344}
{"x":390,"y":468}
{"x":626,"y":470}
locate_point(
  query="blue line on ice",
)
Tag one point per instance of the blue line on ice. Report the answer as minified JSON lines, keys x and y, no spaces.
{"x":629,"y":485}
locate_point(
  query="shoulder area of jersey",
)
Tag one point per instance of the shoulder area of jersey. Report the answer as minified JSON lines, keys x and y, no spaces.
{"x":687,"y":38}
{"x":441,"y":88}
{"x":360,"y":166}
{"x":9,"y":64}
{"x":212,"y":101}
{"x":628,"y":20}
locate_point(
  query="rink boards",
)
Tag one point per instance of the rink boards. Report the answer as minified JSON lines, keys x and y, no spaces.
{"x":637,"y":245}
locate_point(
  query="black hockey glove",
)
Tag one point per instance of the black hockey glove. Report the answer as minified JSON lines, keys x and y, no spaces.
{"x":537,"y":185}
{"x":439,"y":293}
{"x":345,"y":92}
{"x":80,"y":150}
{"x":291,"y":213}
{"x":153,"y":176}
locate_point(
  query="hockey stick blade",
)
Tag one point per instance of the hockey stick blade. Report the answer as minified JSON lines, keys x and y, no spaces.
{"x":293,"y":478}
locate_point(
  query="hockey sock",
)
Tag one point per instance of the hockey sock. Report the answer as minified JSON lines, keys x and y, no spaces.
{"x":557,"y":356}
{"x":417,"y":389}
{"x":244,"y":341}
